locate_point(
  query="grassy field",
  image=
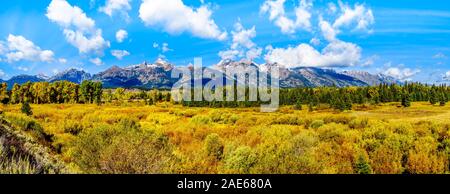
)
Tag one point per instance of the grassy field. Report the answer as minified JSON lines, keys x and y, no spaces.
{"x":166,"y":138}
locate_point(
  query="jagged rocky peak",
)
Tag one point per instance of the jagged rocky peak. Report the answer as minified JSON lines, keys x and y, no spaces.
{"x":72,"y":71}
{"x":160,"y":62}
{"x":114,"y":68}
{"x":42,"y":76}
{"x":227,"y":63}
{"x":72,"y":75}
{"x":269,"y":66}
{"x":371,"y":79}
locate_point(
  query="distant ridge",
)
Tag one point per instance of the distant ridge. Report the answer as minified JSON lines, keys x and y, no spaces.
{"x":370,"y":78}
{"x":72,"y":75}
{"x":158,"y":75}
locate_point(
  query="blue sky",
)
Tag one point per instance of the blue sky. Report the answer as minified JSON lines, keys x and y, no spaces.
{"x":408,"y":39}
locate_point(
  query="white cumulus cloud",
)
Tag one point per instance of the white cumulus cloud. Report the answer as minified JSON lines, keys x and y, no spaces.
{"x":62,"y":60}
{"x":277,"y":14}
{"x":358,"y":18}
{"x":119,"y":6}
{"x":335,"y":54}
{"x":95,"y":43}
{"x":97,"y":61}
{"x":79,"y":30}
{"x":329,"y":33}
{"x":402,"y":74}
{"x":242,"y":44}
{"x":18,"y":48}
{"x":229,"y":54}
{"x":121,"y":35}
{"x":242,"y":37}
{"x":174,"y":17}
{"x":119,"y":54}
{"x":359,"y":15}
{"x":165,"y":47}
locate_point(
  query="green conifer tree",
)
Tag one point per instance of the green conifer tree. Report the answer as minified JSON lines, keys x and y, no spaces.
{"x":26,"y":108}
{"x":362,"y":166}
{"x":298,"y":105}
{"x":405,"y":100}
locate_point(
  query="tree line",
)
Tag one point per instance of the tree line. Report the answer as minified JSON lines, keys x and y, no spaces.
{"x":337,"y":98}
{"x":56,"y":92}
{"x":343,"y":98}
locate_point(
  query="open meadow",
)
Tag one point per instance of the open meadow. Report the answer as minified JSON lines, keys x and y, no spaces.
{"x":133,"y":137}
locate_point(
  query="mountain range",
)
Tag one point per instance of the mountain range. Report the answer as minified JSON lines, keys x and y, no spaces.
{"x":158,"y":75}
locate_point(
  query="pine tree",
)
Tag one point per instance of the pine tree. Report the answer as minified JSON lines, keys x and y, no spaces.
{"x":442,"y":100}
{"x":298,"y":105}
{"x":405,"y":100}
{"x":347,"y":102}
{"x":362,"y":166}
{"x":338,"y":104}
{"x":26,"y":109}
{"x":316,"y":100}
{"x":433,"y":97}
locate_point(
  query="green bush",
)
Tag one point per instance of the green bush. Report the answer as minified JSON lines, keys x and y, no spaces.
{"x":137,"y":153}
{"x":108,"y":149}
{"x":359,"y":123}
{"x":332,"y":133}
{"x":240,"y":160}
{"x":287,"y":120}
{"x":201,"y":119}
{"x":88,"y":146}
{"x":72,"y":127}
{"x":216,"y":116}
{"x":26,"y":109}
{"x":213,"y":146}
{"x":221,"y":117}
{"x":127,"y":124}
{"x":316,"y":124}
{"x":231,"y":119}
{"x":342,"y":119}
